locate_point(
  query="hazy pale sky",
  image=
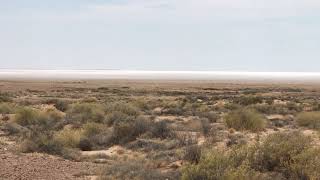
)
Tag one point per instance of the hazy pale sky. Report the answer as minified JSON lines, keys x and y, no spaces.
{"x":235,"y":35}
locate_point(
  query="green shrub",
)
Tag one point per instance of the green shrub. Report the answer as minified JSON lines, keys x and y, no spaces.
{"x":306,"y":165}
{"x":26,"y":116}
{"x":221,"y":165}
{"x":125,"y":108}
{"x":86,"y":112}
{"x":68,"y":137}
{"x":14,"y":128}
{"x":5,"y":97}
{"x":6,"y":108}
{"x":193,"y":154}
{"x":278,"y":151}
{"x":293,"y":107}
{"x":38,"y":120}
{"x":284,"y":155}
{"x":115,"y":117}
{"x":61,"y":105}
{"x":126,"y":131}
{"x":41,"y":142}
{"x":160,"y":130}
{"x":245,"y":119}
{"x":205,"y":126}
{"x":143,"y":104}
{"x":248,"y":100}
{"x":174,"y":107}
{"x":309,"y":119}
{"x":91,"y":129}
{"x":283,"y":109}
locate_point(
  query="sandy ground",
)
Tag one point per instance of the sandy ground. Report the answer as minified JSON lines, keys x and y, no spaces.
{"x":40,"y":166}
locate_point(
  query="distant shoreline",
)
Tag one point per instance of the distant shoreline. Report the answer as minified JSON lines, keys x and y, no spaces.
{"x":159,"y":75}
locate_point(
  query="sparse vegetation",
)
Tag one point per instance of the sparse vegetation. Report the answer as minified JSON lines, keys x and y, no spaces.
{"x":309,"y":119}
{"x":245,"y":119}
{"x":133,"y":170}
{"x":86,"y":112}
{"x":61,"y":105}
{"x":68,"y":137}
{"x":5,"y":97}
{"x":286,"y":155}
{"x":187,"y":132}
{"x":6,"y":108}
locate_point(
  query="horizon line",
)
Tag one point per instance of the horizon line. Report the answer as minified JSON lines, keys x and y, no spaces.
{"x":169,"y":71}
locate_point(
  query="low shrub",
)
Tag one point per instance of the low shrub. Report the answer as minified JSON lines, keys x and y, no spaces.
{"x":160,"y":130}
{"x":284,"y":155}
{"x":221,"y":165}
{"x":41,"y":142}
{"x":245,"y":119}
{"x":205,"y":126}
{"x":92,"y":129}
{"x":248,"y":100}
{"x":6,"y":108}
{"x":5,"y":97}
{"x":279,"y":150}
{"x":144,"y":104}
{"x":38,"y":120}
{"x":14,"y":128}
{"x":61,"y":105}
{"x":124,"y":108}
{"x":68,"y":137}
{"x":126,"y":131}
{"x":193,"y":154}
{"x":306,"y":165}
{"x":276,"y":108}
{"x":26,"y":116}
{"x":115,"y":117}
{"x":86,"y":112}
{"x":309,"y":119}
{"x":174,"y":108}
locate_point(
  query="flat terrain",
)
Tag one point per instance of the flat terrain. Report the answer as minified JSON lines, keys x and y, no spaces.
{"x":157,"y":129}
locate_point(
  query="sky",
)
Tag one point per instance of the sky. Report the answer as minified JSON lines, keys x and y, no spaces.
{"x":188,"y":35}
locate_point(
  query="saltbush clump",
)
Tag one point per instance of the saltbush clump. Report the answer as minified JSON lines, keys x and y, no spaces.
{"x":126,"y":131}
{"x":6,"y":108}
{"x":221,"y":165}
{"x":125,"y":108}
{"x":248,"y":100}
{"x":284,"y":155}
{"x":309,"y":119}
{"x":68,"y":137}
{"x":61,"y":105}
{"x":279,"y":150}
{"x":38,"y":120}
{"x":245,"y":119}
{"x":86,"y":112}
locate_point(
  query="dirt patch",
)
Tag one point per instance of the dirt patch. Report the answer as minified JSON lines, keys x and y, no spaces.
{"x":114,"y":151}
{"x":40,"y":166}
